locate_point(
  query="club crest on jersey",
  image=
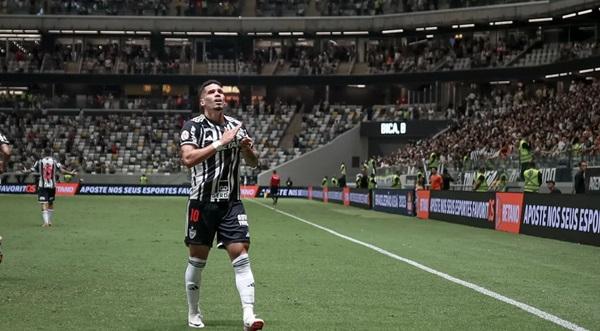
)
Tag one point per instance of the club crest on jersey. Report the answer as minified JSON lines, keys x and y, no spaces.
{"x":185,"y":135}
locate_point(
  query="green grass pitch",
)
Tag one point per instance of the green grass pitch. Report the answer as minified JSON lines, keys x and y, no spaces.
{"x":117,"y":263}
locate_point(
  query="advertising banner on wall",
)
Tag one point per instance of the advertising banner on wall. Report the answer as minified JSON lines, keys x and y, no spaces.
{"x":359,"y":198}
{"x":285,"y":192}
{"x":573,"y":218}
{"x":469,"y":208}
{"x":509,"y":209}
{"x":66,"y":189}
{"x":422,"y":204}
{"x":335,"y":194}
{"x":249,"y":191}
{"x":592,"y":180}
{"x":393,"y":201}
{"x":147,"y":190}
{"x":18,"y":188}
{"x":62,"y":189}
{"x":317,"y":193}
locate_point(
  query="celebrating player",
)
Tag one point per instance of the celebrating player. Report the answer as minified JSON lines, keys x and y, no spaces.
{"x":46,"y":168}
{"x":211,"y":146}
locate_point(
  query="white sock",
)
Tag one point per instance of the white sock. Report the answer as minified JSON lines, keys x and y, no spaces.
{"x":244,"y":280}
{"x":46,"y":216}
{"x":192,"y":283}
{"x":50,"y":214}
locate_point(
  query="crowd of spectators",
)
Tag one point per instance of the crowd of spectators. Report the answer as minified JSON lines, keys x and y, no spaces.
{"x":106,"y":101}
{"x":123,"y":7}
{"x":312,"y":61}
{"x":232,"y":7}
{"x":445,"y":54}
{"x":380,"y":7}
{"x":557,"y":125}
{"x":455,"y":53}
{"x":281,"y":7}
{"x":113,"y":143}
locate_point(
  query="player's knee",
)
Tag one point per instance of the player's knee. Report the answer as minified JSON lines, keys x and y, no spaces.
{"x":235,"y":250}
{"x":199,"y":251}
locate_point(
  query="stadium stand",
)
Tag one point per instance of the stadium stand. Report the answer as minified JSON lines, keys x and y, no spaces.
{"x":559,"y":126}
{"x":123,"y":7}
{"x":234,"y":7}
{"x":135,"y":56}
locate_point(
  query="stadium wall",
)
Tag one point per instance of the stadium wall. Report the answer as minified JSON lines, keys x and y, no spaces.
{"x":124,"y":179}
{"x":574,"y":218}
{"x":323,"y":161}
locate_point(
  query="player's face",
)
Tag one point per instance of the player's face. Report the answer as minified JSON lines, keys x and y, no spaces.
{"x":213,"y":97}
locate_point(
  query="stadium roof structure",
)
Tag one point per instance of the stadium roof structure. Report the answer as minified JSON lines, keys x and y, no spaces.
{"x":538,"y":12}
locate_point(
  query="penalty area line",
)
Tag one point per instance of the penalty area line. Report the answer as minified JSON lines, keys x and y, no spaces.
{"x":523,"y":306}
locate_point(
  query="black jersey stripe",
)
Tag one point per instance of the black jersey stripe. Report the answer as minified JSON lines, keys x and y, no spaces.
{"x":219,"y":169}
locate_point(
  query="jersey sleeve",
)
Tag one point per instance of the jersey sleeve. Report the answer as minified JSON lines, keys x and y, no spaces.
{"x":34,"y":167}
{"x":244,"y":131}
{"x":4,"y":140}
{"x":190,"y":134}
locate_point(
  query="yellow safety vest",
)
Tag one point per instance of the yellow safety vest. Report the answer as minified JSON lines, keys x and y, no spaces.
{"x":484,"y":185}
{"x":396,"y":181}
{"x":524,"y":154}
{"x":532,"y":182}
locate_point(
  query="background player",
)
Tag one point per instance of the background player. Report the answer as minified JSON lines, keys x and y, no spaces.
{"x":211,"y":146}
{"x":275,"y":180}
{"x":5,"y":150}
{"x":47,"y":169}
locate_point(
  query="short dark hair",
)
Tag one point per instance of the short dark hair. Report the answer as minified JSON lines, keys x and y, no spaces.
{"x":581,"y":162}
{"x":550,"y":182}
{"x":209,"y":82}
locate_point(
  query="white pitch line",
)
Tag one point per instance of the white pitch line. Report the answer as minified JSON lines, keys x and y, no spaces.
{"x":530,"y":309}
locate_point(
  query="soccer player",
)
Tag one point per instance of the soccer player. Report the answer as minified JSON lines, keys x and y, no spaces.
{"x":5,"y":150}
{"x":211,"y":146}
{"x":47,"y":168}
{"x":275,"y":180}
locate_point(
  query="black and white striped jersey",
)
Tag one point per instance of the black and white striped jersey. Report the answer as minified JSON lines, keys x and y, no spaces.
{"x":47,"y":169}
{"x":3,"y":139}
{"x":216,"y":178}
